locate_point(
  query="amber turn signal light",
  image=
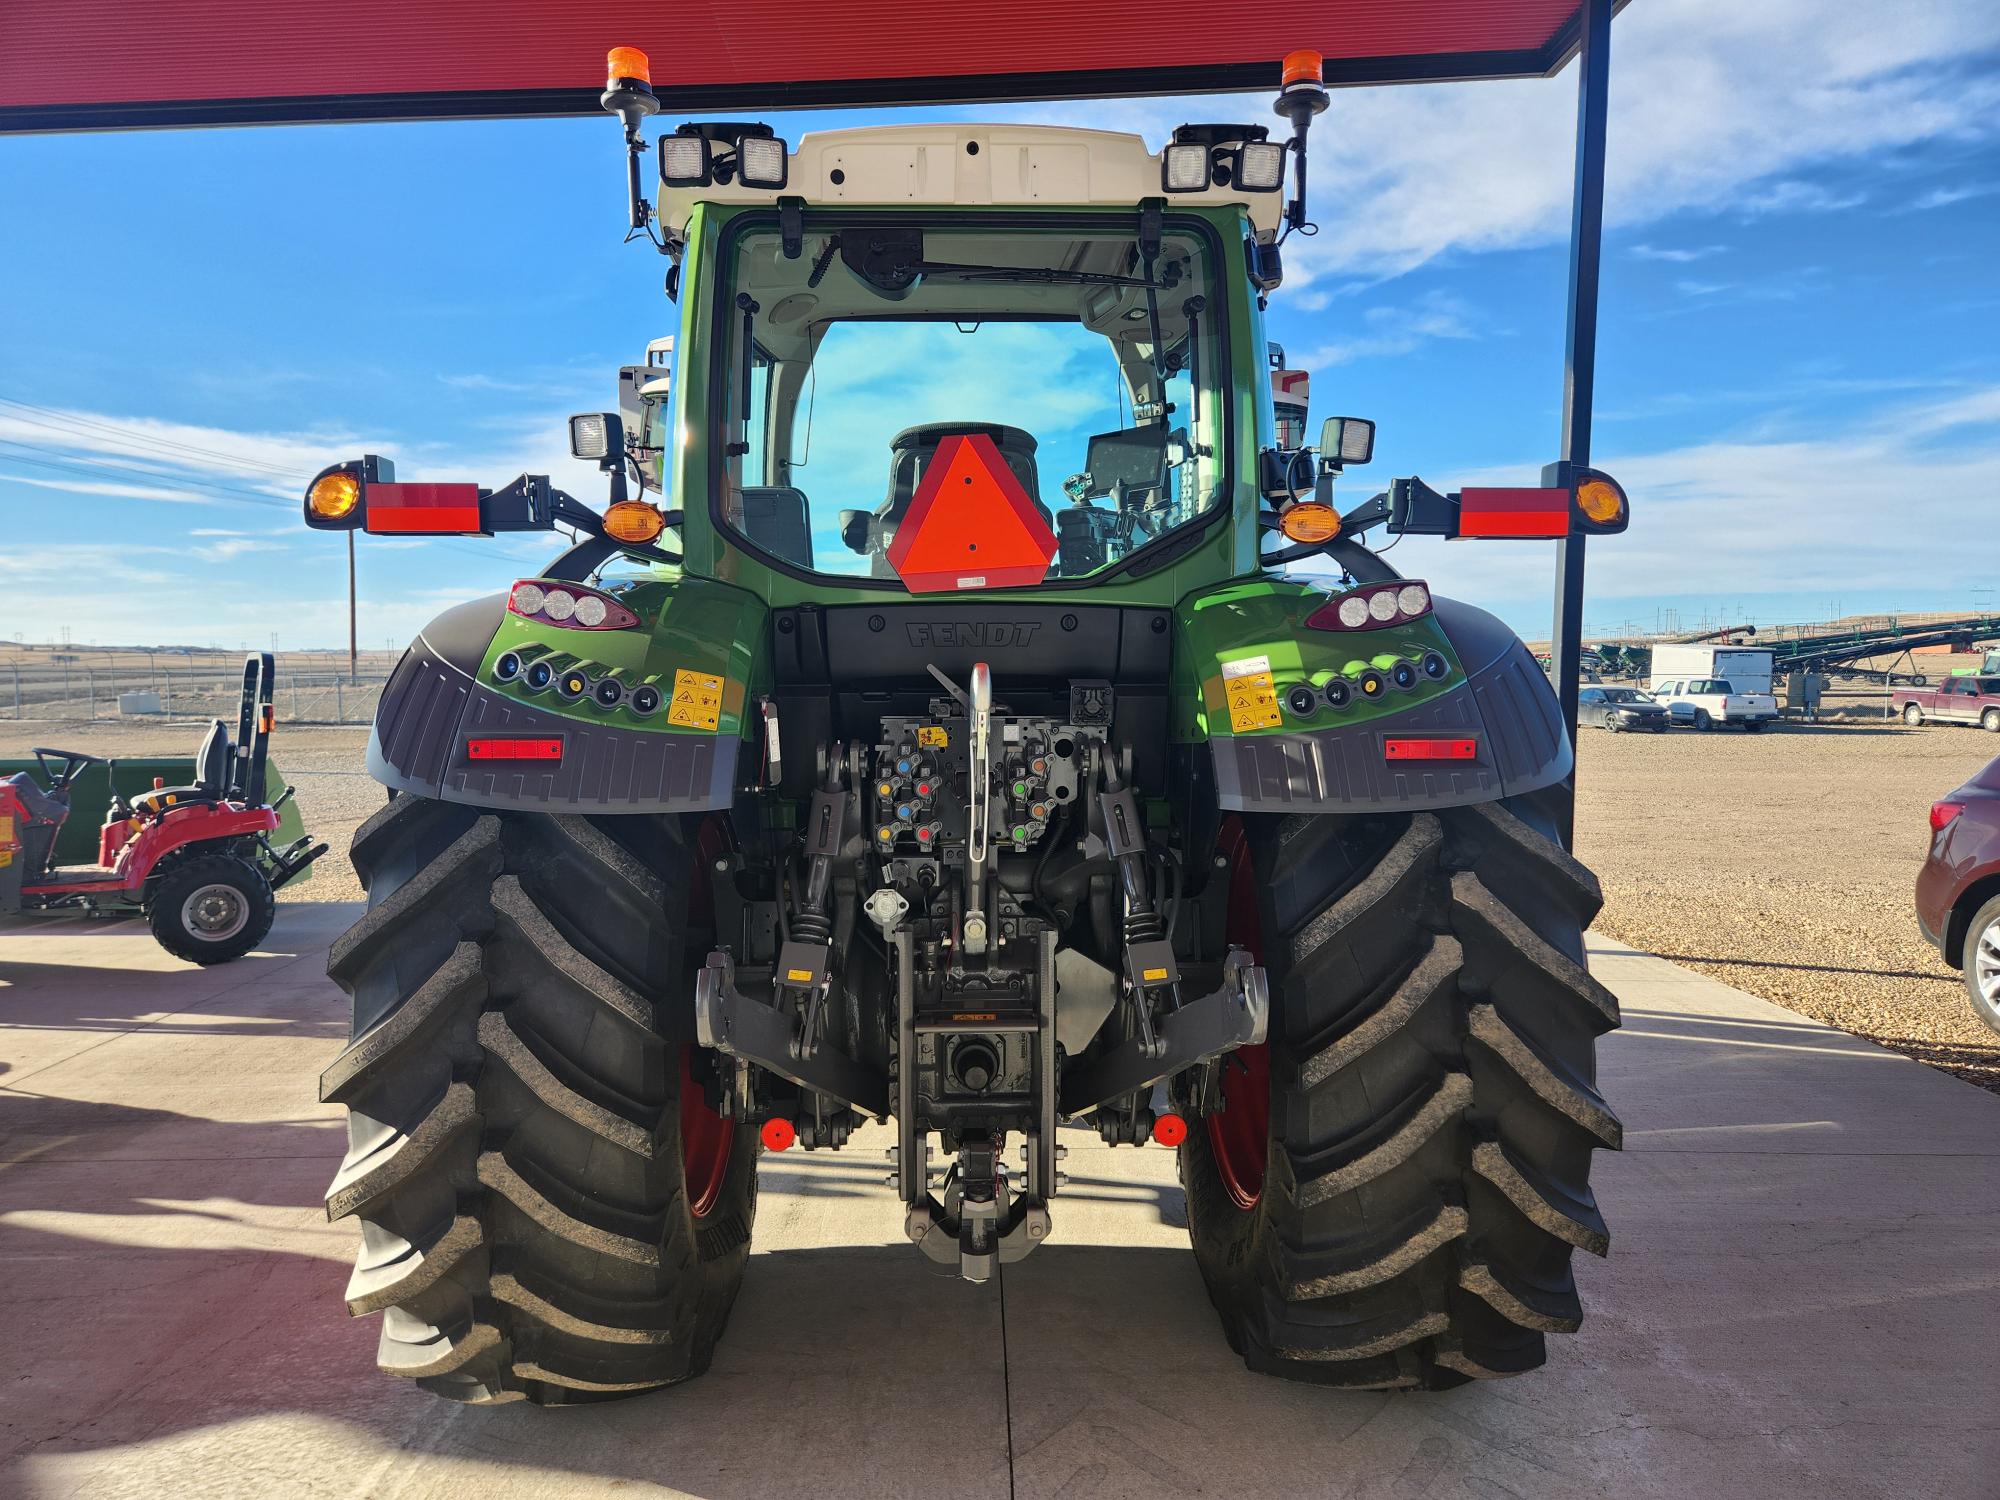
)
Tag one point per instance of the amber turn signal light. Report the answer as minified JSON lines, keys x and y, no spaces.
{"x":634,"y":521}
{"x":334,"y":496}
{"x":1309,"y":521}
{"x":1600,"y":504}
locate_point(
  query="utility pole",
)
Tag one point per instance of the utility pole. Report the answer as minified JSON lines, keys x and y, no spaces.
{"x":353,"y":653}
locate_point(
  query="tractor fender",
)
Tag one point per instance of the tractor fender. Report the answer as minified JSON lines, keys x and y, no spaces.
{"x":1504,"y":702}
{"x":435,"y":702}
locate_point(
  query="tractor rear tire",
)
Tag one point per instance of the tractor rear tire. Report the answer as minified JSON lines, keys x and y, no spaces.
{"x":1431,"y":1099}
{"x":550,"y":1209}
{"x":210,"y":908}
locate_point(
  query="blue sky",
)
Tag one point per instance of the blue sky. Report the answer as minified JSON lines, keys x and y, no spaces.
{"x":1799,"y":376}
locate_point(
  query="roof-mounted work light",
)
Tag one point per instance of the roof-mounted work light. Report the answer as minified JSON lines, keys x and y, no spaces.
{"x":724,"y":151}
{"x":1201,"y":155}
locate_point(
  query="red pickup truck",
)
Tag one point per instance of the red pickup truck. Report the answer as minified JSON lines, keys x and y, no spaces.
{"x":1956,"y":700}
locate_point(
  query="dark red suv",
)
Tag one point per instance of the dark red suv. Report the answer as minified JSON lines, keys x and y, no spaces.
{"x":1958,"y":889}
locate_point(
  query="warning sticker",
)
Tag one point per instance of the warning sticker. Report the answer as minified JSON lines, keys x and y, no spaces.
{"x":697,"y":702}
{"x":933,"y":735}
{"x":1251,"y":696}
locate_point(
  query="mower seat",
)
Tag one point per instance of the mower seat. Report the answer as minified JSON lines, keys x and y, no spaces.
{"x":211,"y":783}
{"x":42,"y":805}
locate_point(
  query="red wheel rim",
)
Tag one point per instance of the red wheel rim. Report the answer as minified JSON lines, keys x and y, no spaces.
{"x":1239,"y":1136}
{"x":705,"y":1135}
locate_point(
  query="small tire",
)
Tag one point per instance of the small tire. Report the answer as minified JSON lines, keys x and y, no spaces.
{"x":1912,"y":715}
{"x":1982,"y":963}
{"x":1702,"y":721}
{"x":210,"y":908}
{"x":1753,"y":726}
{"x":1990,"y":721}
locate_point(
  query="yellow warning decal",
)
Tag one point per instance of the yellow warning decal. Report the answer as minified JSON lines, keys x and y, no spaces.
{"x":7,"y":835}
{"x":1250,"y":694}
{"x":933,"y":735}
{"x":6,"y":858}
{"x":799,"y":976}
{"x":697,"y":701}
{"x":1152,"y":976}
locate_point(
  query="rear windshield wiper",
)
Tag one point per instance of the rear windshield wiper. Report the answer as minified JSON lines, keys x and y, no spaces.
{"x":1040,"y":275}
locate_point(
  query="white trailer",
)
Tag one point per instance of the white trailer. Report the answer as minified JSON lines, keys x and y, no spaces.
{"x":1747,"y":669}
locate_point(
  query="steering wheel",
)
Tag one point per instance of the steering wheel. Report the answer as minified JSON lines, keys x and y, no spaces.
{"x":74,"y":763}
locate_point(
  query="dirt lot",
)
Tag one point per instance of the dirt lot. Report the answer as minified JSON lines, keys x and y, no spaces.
{"x":1780,"y":863}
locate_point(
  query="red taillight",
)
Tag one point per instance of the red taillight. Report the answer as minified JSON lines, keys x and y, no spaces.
{"x":513,"y":748}
{"x":1942,"y":813}
{"x":423,"y":510}
{"x":1429,"y":747}
{"x":1537,"y":512}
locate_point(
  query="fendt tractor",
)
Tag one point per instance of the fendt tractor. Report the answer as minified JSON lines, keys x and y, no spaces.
{"x":961,"y":746}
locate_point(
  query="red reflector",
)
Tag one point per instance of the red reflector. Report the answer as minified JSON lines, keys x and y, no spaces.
{"x":970,"y":524}
{"x":513,"y":749}
{"x":1169,"y":1130}
{"x":1426,"y":748}
{"x":778,"y":1134}
{"x":433,"y":509}
{"x":1509,"y":512}
{"x":1942,"y":813}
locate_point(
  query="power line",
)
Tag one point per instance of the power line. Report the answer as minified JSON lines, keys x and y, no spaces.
{"x":73,"y":422}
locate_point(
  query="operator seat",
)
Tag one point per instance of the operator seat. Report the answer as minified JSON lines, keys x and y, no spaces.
{"x":910,"y":452}
{"x":211,"y":771}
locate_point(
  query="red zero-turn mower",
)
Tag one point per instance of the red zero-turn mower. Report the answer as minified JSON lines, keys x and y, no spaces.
{"x":196,"y":860}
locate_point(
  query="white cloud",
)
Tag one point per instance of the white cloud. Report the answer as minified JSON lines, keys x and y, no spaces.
{"x":116,"y":491}
{"x":1677,"y":255}
{"x":1715,"y":107}
{"x":1882,"y":503}
{"x":1397,"y":330}
{"x":1944,"y":197}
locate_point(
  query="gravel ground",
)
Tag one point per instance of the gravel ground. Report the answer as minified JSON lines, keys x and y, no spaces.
{"x":1783,"y":864}
{"x":1780,"y":863}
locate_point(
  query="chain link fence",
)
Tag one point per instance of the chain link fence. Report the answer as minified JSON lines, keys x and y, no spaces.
{"x":310,"y":688}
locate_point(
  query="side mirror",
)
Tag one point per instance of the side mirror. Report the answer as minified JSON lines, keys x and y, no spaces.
{"x":856,"y":528}
{"x":1346,"y":440}
{"x":597,"y":437}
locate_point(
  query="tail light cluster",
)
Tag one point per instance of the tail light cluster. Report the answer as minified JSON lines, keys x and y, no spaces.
{"x":568,"y":606}
{"x":1942,"y":814}
{"x":536,"y":671}
{"x":1374,"y":606}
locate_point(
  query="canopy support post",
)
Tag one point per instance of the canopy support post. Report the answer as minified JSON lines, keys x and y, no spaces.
{"x":1586,"y":244}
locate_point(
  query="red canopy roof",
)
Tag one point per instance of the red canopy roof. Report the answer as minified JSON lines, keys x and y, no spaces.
{"x":125,"y":63}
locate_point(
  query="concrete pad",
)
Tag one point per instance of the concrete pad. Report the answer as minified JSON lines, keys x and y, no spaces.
{"x":1799,"y":1300}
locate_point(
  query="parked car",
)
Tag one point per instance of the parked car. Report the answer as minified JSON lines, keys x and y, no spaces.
{"x":1704,"y":702}
{"x":1958,"y":889}
{"x":1956,"y":700}
{"x":1616,"y":708}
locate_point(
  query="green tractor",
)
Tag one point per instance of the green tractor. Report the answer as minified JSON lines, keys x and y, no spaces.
{"x":959,"y":754}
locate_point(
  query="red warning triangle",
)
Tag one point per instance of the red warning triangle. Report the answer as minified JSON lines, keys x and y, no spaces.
{"x":970,"y":524}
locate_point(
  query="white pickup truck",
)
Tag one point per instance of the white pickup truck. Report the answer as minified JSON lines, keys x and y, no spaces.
{"x":1705,"y":702}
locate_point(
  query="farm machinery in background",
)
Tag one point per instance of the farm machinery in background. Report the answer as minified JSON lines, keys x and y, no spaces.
{"x":195,"y":860}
